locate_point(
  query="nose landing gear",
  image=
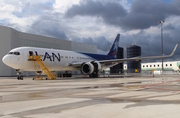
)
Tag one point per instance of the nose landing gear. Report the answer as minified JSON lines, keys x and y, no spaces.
{"x":19,"y":76}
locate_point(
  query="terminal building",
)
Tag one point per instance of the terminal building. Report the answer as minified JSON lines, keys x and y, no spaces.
{"x":156,"y":66}
{"x":11,"y":38}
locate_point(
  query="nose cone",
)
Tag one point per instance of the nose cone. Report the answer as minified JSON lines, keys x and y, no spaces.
{"x":6,"y":60}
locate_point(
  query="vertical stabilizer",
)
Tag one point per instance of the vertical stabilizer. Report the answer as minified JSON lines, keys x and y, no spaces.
{"x":114,"y":48}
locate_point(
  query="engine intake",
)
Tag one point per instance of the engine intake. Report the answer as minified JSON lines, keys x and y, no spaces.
{"x":87,"y":68}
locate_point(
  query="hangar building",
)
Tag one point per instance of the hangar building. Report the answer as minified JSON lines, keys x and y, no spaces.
{"x":10,"y":38}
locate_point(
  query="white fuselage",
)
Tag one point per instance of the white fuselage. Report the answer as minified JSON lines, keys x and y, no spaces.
{"x":55,"y":60}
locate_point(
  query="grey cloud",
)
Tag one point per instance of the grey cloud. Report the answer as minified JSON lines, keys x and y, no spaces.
{"x":101,"y":42}
{"x":169,"y":27}
{"x":142,"y":15}
{"x":55,"y":28}
{"x":49,"y":27}
{"x":106,"y":10}
{"x":96,"y":8}
{"x":29,"y":9}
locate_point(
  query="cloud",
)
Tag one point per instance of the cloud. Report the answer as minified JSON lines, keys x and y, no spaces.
{"x":62,"y":5}
{"x":96,"y":8}
{"x":46,"y":26}
{"x":20,"y":14}
{"x":142,"y":15}
{"x":101,"y":42}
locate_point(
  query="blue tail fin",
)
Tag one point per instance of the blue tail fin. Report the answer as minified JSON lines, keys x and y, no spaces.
{"x":114,"y":48}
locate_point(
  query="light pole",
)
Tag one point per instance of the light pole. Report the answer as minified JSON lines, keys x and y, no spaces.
{"x":161,"y":22}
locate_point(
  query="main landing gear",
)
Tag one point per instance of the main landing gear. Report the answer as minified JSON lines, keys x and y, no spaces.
{"x":19,"y":76}
{"x":94,"y":74}
{"x":65,"y":74}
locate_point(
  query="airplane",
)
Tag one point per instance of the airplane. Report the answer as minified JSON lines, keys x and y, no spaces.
{"x":63,"y":60}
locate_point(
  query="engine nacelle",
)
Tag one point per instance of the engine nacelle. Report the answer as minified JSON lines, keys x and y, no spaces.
{"x":87,"y":68}
{"x":97,"y":65}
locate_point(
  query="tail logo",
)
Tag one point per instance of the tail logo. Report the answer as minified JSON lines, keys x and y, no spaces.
{"x":114,"y":48}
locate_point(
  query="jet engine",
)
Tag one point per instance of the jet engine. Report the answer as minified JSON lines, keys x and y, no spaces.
{"x":97,"y":66}
{"x":87,"y":68}
{"x":90,"y":67}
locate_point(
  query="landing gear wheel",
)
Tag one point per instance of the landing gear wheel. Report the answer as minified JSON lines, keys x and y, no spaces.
{"x":21,"y":77}
{"x":18,"y":77}
{"x":64,"y":75}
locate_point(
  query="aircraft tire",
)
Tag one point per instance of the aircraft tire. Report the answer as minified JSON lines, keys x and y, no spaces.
{"x":21,"y":77}
{"x":68,"y":75}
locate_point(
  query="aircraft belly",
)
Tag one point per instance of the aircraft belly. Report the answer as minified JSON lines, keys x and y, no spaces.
{"x":52,"y":66}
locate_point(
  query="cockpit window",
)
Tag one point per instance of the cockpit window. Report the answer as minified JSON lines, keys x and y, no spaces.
{"x":14,"y":53}
{"x":10,"y":52}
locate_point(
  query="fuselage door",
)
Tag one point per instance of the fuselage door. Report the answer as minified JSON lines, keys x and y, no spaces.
{"x":31,"y":53}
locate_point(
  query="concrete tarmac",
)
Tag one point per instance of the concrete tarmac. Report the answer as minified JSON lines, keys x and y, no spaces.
{"x":116,"y":97}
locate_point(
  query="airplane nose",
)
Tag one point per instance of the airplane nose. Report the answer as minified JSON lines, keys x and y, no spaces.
{"x":6,"y":60}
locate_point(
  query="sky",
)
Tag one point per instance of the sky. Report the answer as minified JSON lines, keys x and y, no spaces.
{"x":98,"y":22}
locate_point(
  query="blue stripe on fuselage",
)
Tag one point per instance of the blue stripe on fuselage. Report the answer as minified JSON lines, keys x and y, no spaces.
{"x":98,"y":56}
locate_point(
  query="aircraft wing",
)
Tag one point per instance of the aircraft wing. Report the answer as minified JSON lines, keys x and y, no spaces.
{"x":138,"y":58}
{"x":109,"y":63}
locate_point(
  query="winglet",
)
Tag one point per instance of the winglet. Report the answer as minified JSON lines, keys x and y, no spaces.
{"x":174,"y":50}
